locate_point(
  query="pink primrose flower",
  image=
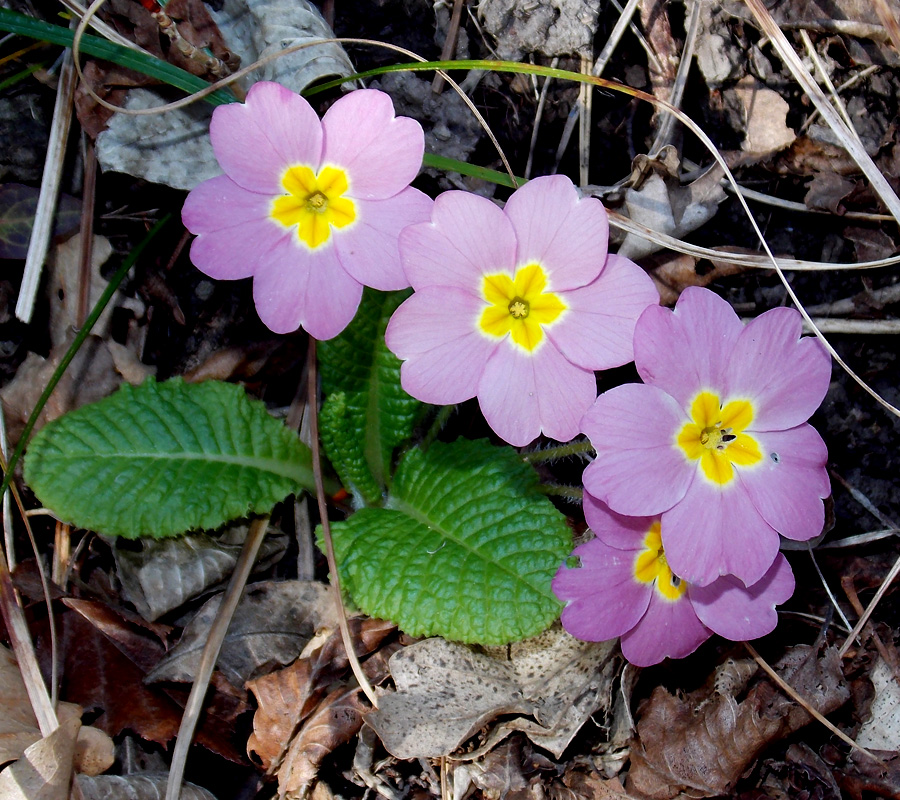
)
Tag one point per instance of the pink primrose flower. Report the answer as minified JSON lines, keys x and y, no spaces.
{"x":516,"y":307}
{"x":625,"y":587}
{"x":716,"y":439}
{"x":310,"y":209}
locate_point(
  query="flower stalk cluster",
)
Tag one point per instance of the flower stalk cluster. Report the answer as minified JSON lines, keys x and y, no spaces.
{"x":698,"y":469}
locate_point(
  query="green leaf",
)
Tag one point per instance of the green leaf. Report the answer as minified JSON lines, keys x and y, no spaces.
{"x":465,"y":548}
{"x":342,"y":443}
{"x":162,"y":458}
{"x":376,"y":415}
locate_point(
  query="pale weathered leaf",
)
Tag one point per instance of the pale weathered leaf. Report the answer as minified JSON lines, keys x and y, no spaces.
{"x":165,"y":573}
{"x":142,"y":786}
{"x":45,"y":769}
{"x":174,"y":148}
{"x":446,"y":692}
{"x":271,"y":626}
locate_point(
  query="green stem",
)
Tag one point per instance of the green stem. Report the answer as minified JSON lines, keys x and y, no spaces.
{"x":575,"y":493}
{"x":556,"y":453}
{"x":80,"y":337}
{"x":440,"y":420}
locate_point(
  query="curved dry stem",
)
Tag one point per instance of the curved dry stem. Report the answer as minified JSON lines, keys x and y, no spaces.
{"x":346,"y":637}
{"x":210,"y":655}
{"x":791,"y":692}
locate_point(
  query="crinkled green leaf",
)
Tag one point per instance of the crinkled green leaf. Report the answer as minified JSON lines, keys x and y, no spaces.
{"x":376,"y":415}
{"x":343,"y":444}
{"x":162,"y":458}
{"x":465,"y":548}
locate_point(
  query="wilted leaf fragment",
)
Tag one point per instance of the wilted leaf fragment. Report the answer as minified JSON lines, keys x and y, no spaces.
{"x":271,"y":625}
{"x":704,"y":742}
{"x":163,"y":458}
{"x":18,"y":204}
{"x":143,"y":786}
{"x":465,"y":548}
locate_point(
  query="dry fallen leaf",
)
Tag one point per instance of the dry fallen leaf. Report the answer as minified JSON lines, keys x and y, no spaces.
{"x":140,"y":786}
{"x":336,"y":720}
{"x":45,"y":769}
{"x":765,"y":113}
{"x":166,"y":573}
{"x":703,"y":742}
{"x":271,"y":626}
{"x":446,"y":692}
{"x":286,"y":697}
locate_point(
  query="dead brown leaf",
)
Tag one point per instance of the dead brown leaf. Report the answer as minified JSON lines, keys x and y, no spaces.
{"x":703,"y":742}
{"x":90,"y":377}
{"x":674,"y":272}
{"x":863,"y":778}
{"x":287,"y":696}
{"x":336,"y":720}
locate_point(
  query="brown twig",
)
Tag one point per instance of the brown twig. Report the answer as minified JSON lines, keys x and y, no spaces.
{"x":210,"y":655}
{"x":791,"y":692}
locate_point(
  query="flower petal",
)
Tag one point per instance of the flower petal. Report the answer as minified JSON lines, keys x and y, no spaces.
{"x":380,"y":152}
{"x":685,"y":351}
{"x":294,"y":287}
{"x":566,"y":234}
{"x":436,"y":330}
{"x":603,"y":599}
{"x":788,"y":485}
{"x":738,"y":612}
{"x":786,"y":376}
{"x":522,"y":395}
{"x":668,"y":629}
{"x":717,"y":531}
{"x":615,"y":530}
{"x":597,"y":331}
{"x":256,"y":141}
{"x":467,"y":238}
{"x":639,"y":470}
{"x":369,"y":250}
{"x":234,"y":230}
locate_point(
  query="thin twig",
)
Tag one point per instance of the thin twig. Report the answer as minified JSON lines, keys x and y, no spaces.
{"x":539,"y":111}
{"x":346,"y":638}
{"x":39,"y":242}
{"x":623,"y":223}
{"x":791,"y":692}
{"x":667,"y":128}
{"x":449,"y":48}
{"x":210,"y":654}
{"x":848,"y":137}
{"x":86,"y":255}
{"x":885,"y":585}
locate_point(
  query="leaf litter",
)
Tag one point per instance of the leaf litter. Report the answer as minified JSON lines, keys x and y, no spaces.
{"x":737,"y":732}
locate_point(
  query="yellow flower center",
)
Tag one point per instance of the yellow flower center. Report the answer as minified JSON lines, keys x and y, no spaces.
{"x":715,"y":437}
{"x":519,"y":306}
{"x":651,"y":566}
{"x":314,"y":203}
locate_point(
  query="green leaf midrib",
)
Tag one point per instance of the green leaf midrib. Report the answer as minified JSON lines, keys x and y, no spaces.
{"x":284,"y":469}
{"x":396,"y":504}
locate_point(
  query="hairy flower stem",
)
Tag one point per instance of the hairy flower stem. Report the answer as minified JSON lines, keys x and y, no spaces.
{"x":440,"y":420}
{"x":568,"y":492}
{"x":555,"y":453}
{"x":326,"y":528}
